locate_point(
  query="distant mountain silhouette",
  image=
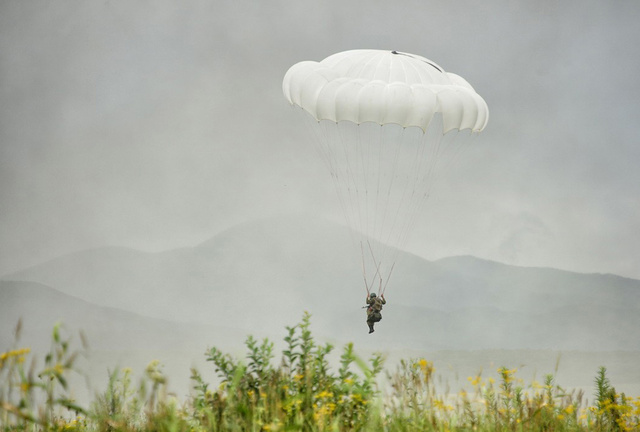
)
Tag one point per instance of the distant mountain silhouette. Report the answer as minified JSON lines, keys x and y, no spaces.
{"x":261,"y":275}
{"x":108,"y":329}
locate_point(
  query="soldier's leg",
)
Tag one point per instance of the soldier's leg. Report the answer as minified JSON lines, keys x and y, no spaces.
{"x":370,"y":324}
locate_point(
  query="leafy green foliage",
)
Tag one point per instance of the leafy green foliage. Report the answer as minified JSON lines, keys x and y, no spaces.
{"x":302,"y":393}
{"x":299,"y":392}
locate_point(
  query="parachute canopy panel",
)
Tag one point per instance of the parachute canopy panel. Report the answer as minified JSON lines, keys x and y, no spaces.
{"x":384,"y":87}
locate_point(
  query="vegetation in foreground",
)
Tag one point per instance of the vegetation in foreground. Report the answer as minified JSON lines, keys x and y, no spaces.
{"x":303,"y":393}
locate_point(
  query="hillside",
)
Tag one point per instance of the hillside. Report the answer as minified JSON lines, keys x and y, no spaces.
{"x":262,"y":274}
{"x":105,"y":328}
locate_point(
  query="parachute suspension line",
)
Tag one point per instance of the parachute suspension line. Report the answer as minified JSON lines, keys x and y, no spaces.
{"x":392,"y":160}
{"x":458,"y":147}
{"x":419,"y":184}
{"x":384,"y":288}
{"x":383,"y":207}
{"x":439,"y":155}
{"x":325,"y":132}
{"x":322,"y":131}
{"x":449,"y":150}
{"x":350,"y":145}
{"x":402,"y":146}
{"x":416,"y":159}
{"x":327,"y":136}
{"x":401,"y":180}
{"x":343,"y":181}
{"x":415,"y":187}
{"x":427,"y":154}
{"x":435,"y":137}
{"x":370,"y":147}
{"x":431,"y":145}
{"x":352,"y":214}
{"x":371,"y":138}
{"x":362,"y":175}
{"x":392,"y":148}
{"x":319,"y":139}
{"x":445,"y":149}
{"x":347,"y":150}
{"x":389,"y":157}
{"x":324,"y":138}
{"x":364,"y":272}
{"x":377,"y":265}
{"x":420,"y":178}
{"x":340,"y":151}
{"x":380,"y":201}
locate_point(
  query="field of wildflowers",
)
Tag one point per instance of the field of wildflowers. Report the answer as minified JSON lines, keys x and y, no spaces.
{"x":299,"y":390}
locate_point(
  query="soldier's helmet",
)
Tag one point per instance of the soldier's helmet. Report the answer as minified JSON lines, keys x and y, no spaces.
{"x":372,"y":295}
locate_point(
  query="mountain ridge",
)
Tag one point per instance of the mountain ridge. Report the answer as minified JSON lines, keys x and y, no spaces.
{"x":105,"y":328}
{"x":262,"y":274}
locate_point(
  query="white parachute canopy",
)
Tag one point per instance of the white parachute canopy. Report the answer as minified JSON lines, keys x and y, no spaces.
{"x":385,"y":123}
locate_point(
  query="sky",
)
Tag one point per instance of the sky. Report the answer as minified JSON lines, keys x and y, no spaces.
{"x":156,"y":125}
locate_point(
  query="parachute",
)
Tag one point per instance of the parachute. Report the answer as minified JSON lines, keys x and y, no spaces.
{"x":386,"y":124}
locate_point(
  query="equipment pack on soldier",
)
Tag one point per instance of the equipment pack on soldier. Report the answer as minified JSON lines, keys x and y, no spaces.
{"x":374,"y":309}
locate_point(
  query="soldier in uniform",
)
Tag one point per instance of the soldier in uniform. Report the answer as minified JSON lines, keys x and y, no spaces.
{"x":373,"y":311}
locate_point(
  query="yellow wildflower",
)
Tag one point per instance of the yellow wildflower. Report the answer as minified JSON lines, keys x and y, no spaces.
{"x":154,"y":372}
{"x":426,"y":366}
{"x":17,"y":353}
{"x":475,"y":380}
{"x":569,"y":409}
{"x":507,"y":374}
{"x":324,"y":395}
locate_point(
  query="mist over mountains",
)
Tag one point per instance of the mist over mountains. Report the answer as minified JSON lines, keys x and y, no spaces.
{"x":259,"y":276}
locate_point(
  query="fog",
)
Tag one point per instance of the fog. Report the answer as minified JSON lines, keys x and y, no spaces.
{"x":155,"y":125}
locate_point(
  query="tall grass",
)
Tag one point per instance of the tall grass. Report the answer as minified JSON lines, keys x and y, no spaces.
{"x":299,"y":390}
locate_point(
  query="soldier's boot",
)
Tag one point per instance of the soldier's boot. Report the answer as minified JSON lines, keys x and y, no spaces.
{"x":371,"y":330}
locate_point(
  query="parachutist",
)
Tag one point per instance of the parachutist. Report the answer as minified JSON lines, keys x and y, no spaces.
{"x":374,"y":310}
{"x":359,"y":103}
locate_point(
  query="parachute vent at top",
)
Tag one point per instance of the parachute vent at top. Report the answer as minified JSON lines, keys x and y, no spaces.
{"x":384,"y":87}
{"x":409,"y":55}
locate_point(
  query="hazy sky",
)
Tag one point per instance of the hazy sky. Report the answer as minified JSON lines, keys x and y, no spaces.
{"x":156,"y":124}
